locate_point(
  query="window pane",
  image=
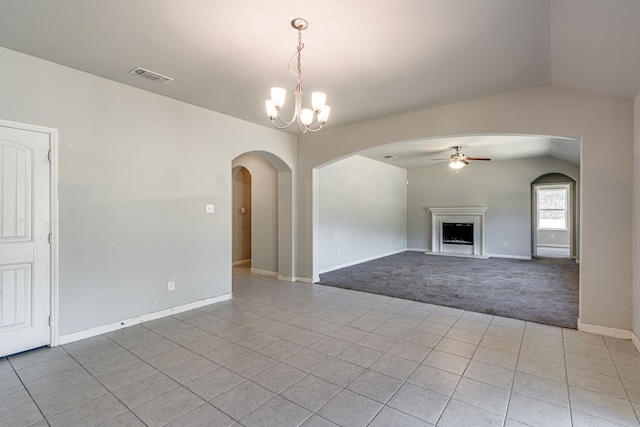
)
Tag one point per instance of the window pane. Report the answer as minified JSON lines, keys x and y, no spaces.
{"x":551,"y":219}
{"x":552,"y":199}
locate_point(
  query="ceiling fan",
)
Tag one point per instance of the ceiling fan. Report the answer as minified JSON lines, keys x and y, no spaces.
{"x":457,"y":160}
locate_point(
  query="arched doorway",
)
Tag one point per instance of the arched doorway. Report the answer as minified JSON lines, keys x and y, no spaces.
{"x":268,"y":213}
{"x":554,"y":225}
{"x":241,"y":218}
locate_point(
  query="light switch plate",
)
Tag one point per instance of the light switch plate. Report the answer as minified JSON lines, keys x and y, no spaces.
{"x":210,"y":208}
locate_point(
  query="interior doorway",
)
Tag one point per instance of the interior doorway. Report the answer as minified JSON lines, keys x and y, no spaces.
{"x":554,"y":216}
{"x":268,"y":211}
{"x":241,"y":217}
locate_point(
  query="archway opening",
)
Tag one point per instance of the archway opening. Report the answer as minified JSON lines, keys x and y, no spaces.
{"x":554,"y":222}
{"x":241,"y":218}
{"x":263,"y":203}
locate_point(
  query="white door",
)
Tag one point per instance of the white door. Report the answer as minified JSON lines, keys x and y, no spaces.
{"x":25,"y":261}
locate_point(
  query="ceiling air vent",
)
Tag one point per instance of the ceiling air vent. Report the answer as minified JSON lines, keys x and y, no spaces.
{"x":389,"y":157}
{"x":150,"y":75}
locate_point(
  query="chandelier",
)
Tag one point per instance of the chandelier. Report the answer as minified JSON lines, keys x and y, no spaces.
{"x":307,"y":119}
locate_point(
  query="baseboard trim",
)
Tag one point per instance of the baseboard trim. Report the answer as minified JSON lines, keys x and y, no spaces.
{"x":242,"y":262}
{"x":264,"y":272}
{"x":286,"y":278}
{"x":88,"y":333}
{"x":604,"y":330}
{"x":457,"y":255}
{"x":306,"y":280}
{"x":485,"y":256}
{"x":525,"y":257}
{"x":360,"y":261}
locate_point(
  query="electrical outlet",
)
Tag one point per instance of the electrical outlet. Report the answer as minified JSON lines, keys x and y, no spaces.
{"x":171,"y":286}
{"x":338,"y":252}
{"x":506,"y":245}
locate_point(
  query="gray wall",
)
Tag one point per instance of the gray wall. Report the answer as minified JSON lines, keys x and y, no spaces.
{"x":504,"y":187}
{"x":362,"y":211}
{"x":135,"y":171}
{"x":264,"y":212}
{"x":604,"y":124}
{"x":553,"y":238}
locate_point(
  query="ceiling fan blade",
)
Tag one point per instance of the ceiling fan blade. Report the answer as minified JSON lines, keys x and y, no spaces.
{"x":477,"y":158}
{"x":464,"y":161}
{"x":439,"y":160}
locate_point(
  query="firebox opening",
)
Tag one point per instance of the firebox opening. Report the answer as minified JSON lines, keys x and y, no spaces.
{"x":456,"y":233}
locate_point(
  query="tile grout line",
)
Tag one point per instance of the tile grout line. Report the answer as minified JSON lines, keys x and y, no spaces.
{"x":515,"y":371}
{"x":566,"y":373}
{"x":615,"y":366}
{"x":105,"y":387}
{"x":219,"y":366}
{"x":24,"y":386}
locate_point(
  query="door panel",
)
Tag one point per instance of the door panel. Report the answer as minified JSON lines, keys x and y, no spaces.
{"x":16,"y":192}
{"x":25,"y":261}
{"x":16,"y":284}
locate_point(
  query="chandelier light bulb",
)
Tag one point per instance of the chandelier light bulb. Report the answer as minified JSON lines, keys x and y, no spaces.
{"x":272,"y":111}
{"x":318,"y":100}
{"x":278,"y":95}
{"x":306,"y":116}
{"x":307,"y":119}
{"x":324,"y":114}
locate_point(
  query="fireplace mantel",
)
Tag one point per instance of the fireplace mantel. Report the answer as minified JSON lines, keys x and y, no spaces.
{"x":471,"y":215}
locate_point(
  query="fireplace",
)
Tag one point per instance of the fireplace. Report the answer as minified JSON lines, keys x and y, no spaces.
{"x":458,"y":231}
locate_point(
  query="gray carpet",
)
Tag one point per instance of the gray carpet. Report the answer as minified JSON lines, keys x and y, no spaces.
{"x":543,"y":290}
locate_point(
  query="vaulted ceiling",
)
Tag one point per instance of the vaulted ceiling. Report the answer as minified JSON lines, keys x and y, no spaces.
{"x":373,"y":58}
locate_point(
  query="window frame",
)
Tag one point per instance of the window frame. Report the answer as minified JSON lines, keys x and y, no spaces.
{"x":566,"y":210}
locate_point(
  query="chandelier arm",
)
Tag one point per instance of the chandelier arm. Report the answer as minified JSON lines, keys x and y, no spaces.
{"x":316,"y":129}
{"x":276,"y":125}
{"x":302,"y":128}
{"x":286,"y":123}
{"x":315,"y":122}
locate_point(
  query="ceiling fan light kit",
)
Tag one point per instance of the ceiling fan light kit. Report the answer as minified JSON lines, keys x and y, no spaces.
{"x":307,"y":119}
{"x":458,"y":161}
{"x":457,"y":164}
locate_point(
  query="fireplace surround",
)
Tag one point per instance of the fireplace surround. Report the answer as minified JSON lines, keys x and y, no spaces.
{"x":465,"y":217}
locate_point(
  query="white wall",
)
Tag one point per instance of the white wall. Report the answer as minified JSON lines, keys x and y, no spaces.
{"x":135,"y":171}
{"x":264,"y":212}
{"x":362,"y":211}
{"x":603,"y":123}
{"x":504,"y":187}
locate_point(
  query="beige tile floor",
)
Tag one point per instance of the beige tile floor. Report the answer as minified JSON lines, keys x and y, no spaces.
{"x":288,"y":354}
